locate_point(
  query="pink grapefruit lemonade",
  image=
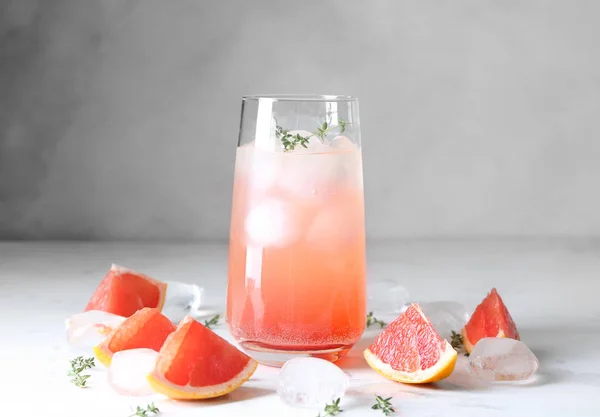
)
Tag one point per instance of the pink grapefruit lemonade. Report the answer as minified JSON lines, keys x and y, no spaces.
{"x":297,"y":250}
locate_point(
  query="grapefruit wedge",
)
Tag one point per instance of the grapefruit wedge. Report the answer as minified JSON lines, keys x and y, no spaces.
{"x":124,"y":291}
{"x":196,"y":363}
{"x":147,"y":328}
{"x":490,"y":319}
{"x":409,"y":350}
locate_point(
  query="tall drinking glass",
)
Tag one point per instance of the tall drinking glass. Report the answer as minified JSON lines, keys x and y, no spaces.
{"x":297,"y":241}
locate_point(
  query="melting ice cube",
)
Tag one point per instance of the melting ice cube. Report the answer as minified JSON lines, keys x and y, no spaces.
{"x":386,"y":297}
{"x":343,"y":142}
{"x":502,"y":359}
{"x":314,"y":178}
{"x":86,"y":330}
{"x":446,"y":316}
{"x":273,"y":222}
{"x":185,"y":295}
{"x":182,"y":299}
{"x":128,"y":370}
{"x":311,"y":382}
{"x":261,"y":167}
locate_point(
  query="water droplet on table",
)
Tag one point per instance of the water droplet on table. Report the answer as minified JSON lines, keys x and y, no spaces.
{"x":128,"y":370}
{"x":311,"y":382}
{"x":502,"y":359}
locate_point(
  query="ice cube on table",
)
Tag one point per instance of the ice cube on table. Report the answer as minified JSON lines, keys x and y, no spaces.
{"x":182,"y":299}
{"x":446,"y":316}
{"x":273,"y":222}
{"x":386,"y":297}
{"x":185,"y":295}
{"x":502,"y":359}
{"x":176,"y":314}
{"x":85,"y":330}
{"x":311,"y":382}
{"x":128,"y":370}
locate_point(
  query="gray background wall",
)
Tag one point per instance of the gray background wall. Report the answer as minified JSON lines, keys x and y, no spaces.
{"x":119,"y":118}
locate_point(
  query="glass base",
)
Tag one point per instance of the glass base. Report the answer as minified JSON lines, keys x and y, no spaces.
{"x":274,"y":357}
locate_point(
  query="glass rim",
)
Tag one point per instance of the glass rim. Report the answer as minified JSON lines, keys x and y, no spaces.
{"x":299,"y":97}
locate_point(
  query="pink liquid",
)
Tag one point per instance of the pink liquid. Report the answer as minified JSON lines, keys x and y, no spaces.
{"x":297,"y":250}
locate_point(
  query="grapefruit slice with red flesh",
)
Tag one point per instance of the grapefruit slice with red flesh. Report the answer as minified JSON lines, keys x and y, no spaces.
{"x":409,"y":350}
{"x":196,"y":363}
{"x":124,"y":291}
{"x":147,"y":328}
{"x":490,"y":319}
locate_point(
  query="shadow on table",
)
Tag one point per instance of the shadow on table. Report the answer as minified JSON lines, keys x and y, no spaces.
{"x":556,"y":346}
{"x":243,"y":393}
{"x":354,"y":359}
{"x":544,"y":342}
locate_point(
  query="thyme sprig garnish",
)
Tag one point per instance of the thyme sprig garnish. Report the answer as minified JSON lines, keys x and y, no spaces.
{"x":212,"y":322}
{"x":78,"y":365}
{"x":332,"y":409}
{"x":384,"y":405}
{"x":371,"y":320}
{"x":456,"y":341}
{"x":150,"y":409}
{"x":289,"y":141}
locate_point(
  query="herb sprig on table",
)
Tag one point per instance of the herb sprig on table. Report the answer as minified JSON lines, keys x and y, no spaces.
{"x":150,"y":409}
{"x":290,"y":141}
{"x":212,"y":322}
{"x":384,"y":405}
{"x":371,"y":320}
{"x":332,"y":409}
{"x":456,"y":341}
{"x":78,"y":365}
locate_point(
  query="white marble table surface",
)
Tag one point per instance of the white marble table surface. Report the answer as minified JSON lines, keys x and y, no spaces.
{"x":551,"y":289}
